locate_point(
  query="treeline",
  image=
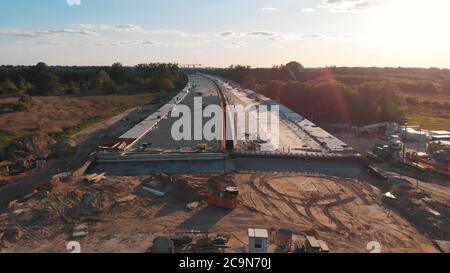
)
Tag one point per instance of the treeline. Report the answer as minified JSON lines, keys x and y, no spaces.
{"x":342,"y":95}
{"x":63,"y":80}
{"x":326,"y":101}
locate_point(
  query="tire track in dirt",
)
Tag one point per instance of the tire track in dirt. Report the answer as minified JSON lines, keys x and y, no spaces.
{"x":267,"y":201}
{"x":253,"y":206}
{"x":333,"y":218}
{"x":307,"y":205}
{"x":289,"y":203}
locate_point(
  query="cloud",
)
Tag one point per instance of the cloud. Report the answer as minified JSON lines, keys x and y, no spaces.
{"x":131,"y":28}
{"x":349,"y":5}
{"x":308,"y":10}
{"x":278,"y":36}
{"x":108,"y":36}
{"x":227,"y":33}
{"x":126,"y":28}
{"x":262,"y":33}
{"x":270,"y":9}
{"x":102,"y":44}
{"x":119,"y":43}
{"x":28,"y":33}
{"x":73,"y":2}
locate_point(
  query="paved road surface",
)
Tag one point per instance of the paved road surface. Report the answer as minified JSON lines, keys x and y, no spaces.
{"x":160,"y":137}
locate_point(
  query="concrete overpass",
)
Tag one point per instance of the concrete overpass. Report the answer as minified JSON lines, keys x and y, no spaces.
{"x":303,"y":146}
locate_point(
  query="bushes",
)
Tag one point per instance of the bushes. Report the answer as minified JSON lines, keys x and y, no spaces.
{"x":8,"y":87}
{"x":422,"y":87}
{"x":326,"y":101}
{"x":249,"y":82}
{"x":166,"y":85}
{"x":101,"y":80}
{"x":25,"y":103}
{"x":446,"y":86}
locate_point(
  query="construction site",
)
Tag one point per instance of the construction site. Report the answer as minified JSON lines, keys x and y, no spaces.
{"x":128,"y":186}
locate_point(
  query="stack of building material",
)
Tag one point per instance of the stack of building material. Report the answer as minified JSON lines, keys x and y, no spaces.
{"x":115,"y":145}
{"x":122,"y":146}
{"x":95,"y":178}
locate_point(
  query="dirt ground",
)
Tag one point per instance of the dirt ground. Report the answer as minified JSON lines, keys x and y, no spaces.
{"x":121,"y":217}
{"x":74,"y":152}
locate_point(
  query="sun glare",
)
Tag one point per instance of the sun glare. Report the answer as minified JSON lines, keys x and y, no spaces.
{"x":411,"y":26}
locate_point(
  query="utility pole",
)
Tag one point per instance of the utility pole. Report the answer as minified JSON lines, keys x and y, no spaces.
{"x":404,"y":144}
{"x":420,"y":138}
{"x":418,"y":149}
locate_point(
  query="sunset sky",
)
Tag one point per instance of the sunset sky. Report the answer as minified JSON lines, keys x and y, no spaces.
{"x":409,"y":33}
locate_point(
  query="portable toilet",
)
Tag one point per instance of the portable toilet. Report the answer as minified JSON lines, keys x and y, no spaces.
{"x":257,"y":240}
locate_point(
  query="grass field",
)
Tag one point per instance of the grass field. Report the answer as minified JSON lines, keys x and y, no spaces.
{"x":429,"y":116}
{"x":64,"y":115}
{"x":429,"y":121}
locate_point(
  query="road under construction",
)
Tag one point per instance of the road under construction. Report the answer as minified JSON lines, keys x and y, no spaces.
{"x":149,"y":147}
{"x":145,"y":185}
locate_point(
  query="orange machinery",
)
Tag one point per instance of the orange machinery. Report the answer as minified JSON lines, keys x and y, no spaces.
{"x":227,"y":199}
{"x":423,"y":161}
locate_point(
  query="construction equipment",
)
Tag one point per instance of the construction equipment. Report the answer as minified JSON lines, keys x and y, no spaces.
{"x":227,"y":199}
{"x":284,"y":238}
{"x":437,"y":162}
{"x":202,"y":147}
{"x":201,"y":242}
{"x":386,"y":152}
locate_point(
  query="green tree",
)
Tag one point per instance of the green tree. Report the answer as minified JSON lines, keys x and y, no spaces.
{"x":250,"y":82}
{"x":101,"y":80}
{"x":272,"y":89}
{"x":294,"y":69}
{"x":25,"y":103}
{"x":42,"y":67}
{"x":23,"y":85}
{"x":166,"y":85}
{"x":8,"y":87}
{"x":118,"y":73}
{"x":45,"y":82}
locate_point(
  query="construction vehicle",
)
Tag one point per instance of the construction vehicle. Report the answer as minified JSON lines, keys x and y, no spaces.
{"x":227,"y":199}
{"x":202,"y":147}
{"x":386,"y":152}
{"x":436,"y":162}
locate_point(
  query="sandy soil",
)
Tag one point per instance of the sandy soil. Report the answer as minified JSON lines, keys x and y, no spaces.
{"x":121,"y":217}
{"x":74,"y":152}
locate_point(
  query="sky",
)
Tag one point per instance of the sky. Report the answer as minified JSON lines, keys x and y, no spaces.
{"x":260,"y":33}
